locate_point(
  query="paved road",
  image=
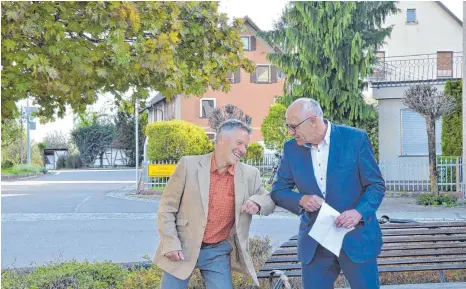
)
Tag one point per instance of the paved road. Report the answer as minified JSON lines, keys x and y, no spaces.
{"x":85,"y":215}
{"x":71,"y":215}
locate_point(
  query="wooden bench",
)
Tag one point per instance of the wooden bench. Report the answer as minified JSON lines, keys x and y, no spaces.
{"x":428,"y":246}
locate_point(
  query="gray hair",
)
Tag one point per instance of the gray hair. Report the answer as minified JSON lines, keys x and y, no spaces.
{"x":230,"y":125}
{"x":309,"y":105}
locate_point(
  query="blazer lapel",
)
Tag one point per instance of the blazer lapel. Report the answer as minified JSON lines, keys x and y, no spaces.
{"x":333,"y":156}
{"x":203,"y":174}
{"x":239,"y":191}
{"x":308,"y":167}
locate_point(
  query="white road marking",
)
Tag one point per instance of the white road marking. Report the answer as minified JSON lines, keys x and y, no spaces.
{"x":85,"y":171}
{"x":80,"y":204}
{"x":35,"y":183}
{"x":13,"y":195}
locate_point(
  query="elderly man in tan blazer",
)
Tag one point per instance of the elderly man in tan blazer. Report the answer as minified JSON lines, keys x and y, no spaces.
{"x":205,"y":213}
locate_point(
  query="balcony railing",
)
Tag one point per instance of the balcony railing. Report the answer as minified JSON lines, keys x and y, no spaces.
{"x":413,"y":69}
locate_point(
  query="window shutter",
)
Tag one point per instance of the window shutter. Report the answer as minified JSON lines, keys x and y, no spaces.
{"x":238,"y":75}
{"x":273,"y":74}
{"x":414,"y":134}
{"x":253,"y":43}
{"x":253,"y":77}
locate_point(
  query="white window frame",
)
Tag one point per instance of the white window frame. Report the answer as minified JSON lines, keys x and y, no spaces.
{"x":270,"y":73}
{"x":249,"y":42}
{"x":200,"y":105}
{"x":415,"y":16}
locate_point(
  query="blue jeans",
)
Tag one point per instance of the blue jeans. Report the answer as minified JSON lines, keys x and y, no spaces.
{"x":215,"y":266}
{"x":325,"y":267}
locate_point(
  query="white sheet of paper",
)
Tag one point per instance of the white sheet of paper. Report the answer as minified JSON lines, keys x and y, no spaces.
{"x":325,"y":232}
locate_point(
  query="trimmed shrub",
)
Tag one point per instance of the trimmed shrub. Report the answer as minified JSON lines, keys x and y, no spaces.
{"x":255,"y":153}
{"x":170,"y":140}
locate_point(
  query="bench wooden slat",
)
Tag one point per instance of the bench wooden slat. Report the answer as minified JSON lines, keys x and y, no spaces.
{"x":407,"y":226}
{"x":421,"y":246}
{"x":401,"y":239}
{"x":432,"y":267}
{"x":385,"y":254}
{"x":297,"y":266}
{"x":424,"y":232}
{"x":297,"y":273}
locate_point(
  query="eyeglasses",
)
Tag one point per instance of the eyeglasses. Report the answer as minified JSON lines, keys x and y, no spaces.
{"x":294,"y":127}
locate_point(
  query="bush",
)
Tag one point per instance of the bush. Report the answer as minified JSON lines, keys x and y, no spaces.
{"x":61,"y":162}
{"x":170,"y":140}
{"x":437,"y":200}
{"x":6,"y":164}
{"x":73,"y":161}
{"x":255,"y":153}
{"x":72,"y":274}
{"x":66,"y":275}
{"x":452,"y":141}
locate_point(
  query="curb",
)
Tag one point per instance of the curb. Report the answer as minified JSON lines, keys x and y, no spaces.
{"x":20,"y":177}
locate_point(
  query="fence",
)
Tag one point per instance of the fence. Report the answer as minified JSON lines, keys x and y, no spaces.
{"x":412,"y":69}
{"x":404,"y":176}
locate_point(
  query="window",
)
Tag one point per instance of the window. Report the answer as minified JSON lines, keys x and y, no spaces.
{"x":411,"y":16}
{"x":245,"y":40}
{"x":249,"y":43}
{"x":263,"y":74}
{"x":444,"y":64}
{"x":414,"y":134}
{"x":207,"y":105}
{"x":211,"y":135}
{"x":234,"y":77}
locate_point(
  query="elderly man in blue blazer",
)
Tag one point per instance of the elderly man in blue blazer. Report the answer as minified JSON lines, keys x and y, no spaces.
{"x":333,"y":164}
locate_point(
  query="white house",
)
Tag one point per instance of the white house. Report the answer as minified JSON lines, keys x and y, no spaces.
{"x":425,"y":47}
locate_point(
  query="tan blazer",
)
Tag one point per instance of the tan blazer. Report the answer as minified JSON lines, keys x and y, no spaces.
{"x":182,"y":215}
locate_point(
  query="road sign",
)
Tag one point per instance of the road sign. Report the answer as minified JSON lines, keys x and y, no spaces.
{"x":161,"y":170}
{"x":32,"y":125}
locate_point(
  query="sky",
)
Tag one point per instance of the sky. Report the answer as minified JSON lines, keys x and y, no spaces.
{"x":262,"y":12}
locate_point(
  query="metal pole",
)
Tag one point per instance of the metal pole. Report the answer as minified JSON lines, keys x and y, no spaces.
{"x":137,"y":141}
{"x":28,"y":132}
{"x":21,"y":146}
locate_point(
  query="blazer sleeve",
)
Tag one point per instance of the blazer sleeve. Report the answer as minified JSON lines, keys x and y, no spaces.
{"x":169,"y":205}
{"x":261,"y":196}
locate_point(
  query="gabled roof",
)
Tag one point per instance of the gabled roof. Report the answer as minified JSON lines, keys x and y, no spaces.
{"x":449,"y":12}
{"x":255,"y":27}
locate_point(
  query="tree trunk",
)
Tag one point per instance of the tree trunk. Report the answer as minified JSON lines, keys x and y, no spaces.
{"x":101,"y":160}
{"x":430,"y":123}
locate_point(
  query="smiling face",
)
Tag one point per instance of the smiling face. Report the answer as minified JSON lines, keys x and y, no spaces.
{"x":232,"y":146}
{"x":304,"y":125}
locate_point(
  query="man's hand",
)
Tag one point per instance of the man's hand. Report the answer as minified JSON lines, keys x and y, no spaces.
{"x":348,"y":219}
{"x":175,"y":255}
{"x":250,"y":207}
{"x":311,"y":203}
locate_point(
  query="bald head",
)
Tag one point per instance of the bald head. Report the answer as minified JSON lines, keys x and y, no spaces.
{"x":305,"y":107}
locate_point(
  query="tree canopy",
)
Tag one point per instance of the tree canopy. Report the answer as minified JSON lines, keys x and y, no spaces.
{"x":66,"y":53}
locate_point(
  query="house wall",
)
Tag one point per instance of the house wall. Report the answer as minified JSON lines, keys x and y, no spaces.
{"x":435,"y":31}
{"x":253,"y":98}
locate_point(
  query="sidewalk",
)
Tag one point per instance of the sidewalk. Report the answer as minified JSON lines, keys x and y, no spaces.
{"x":406,"y":208}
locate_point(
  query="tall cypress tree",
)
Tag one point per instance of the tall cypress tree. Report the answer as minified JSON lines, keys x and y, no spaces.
{"x":327,"y":52}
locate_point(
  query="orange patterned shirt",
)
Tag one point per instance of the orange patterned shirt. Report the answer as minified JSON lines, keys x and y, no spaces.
{"x":221,"y":215}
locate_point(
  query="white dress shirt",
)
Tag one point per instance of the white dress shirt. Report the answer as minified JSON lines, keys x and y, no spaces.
{"x":319,"y":155}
